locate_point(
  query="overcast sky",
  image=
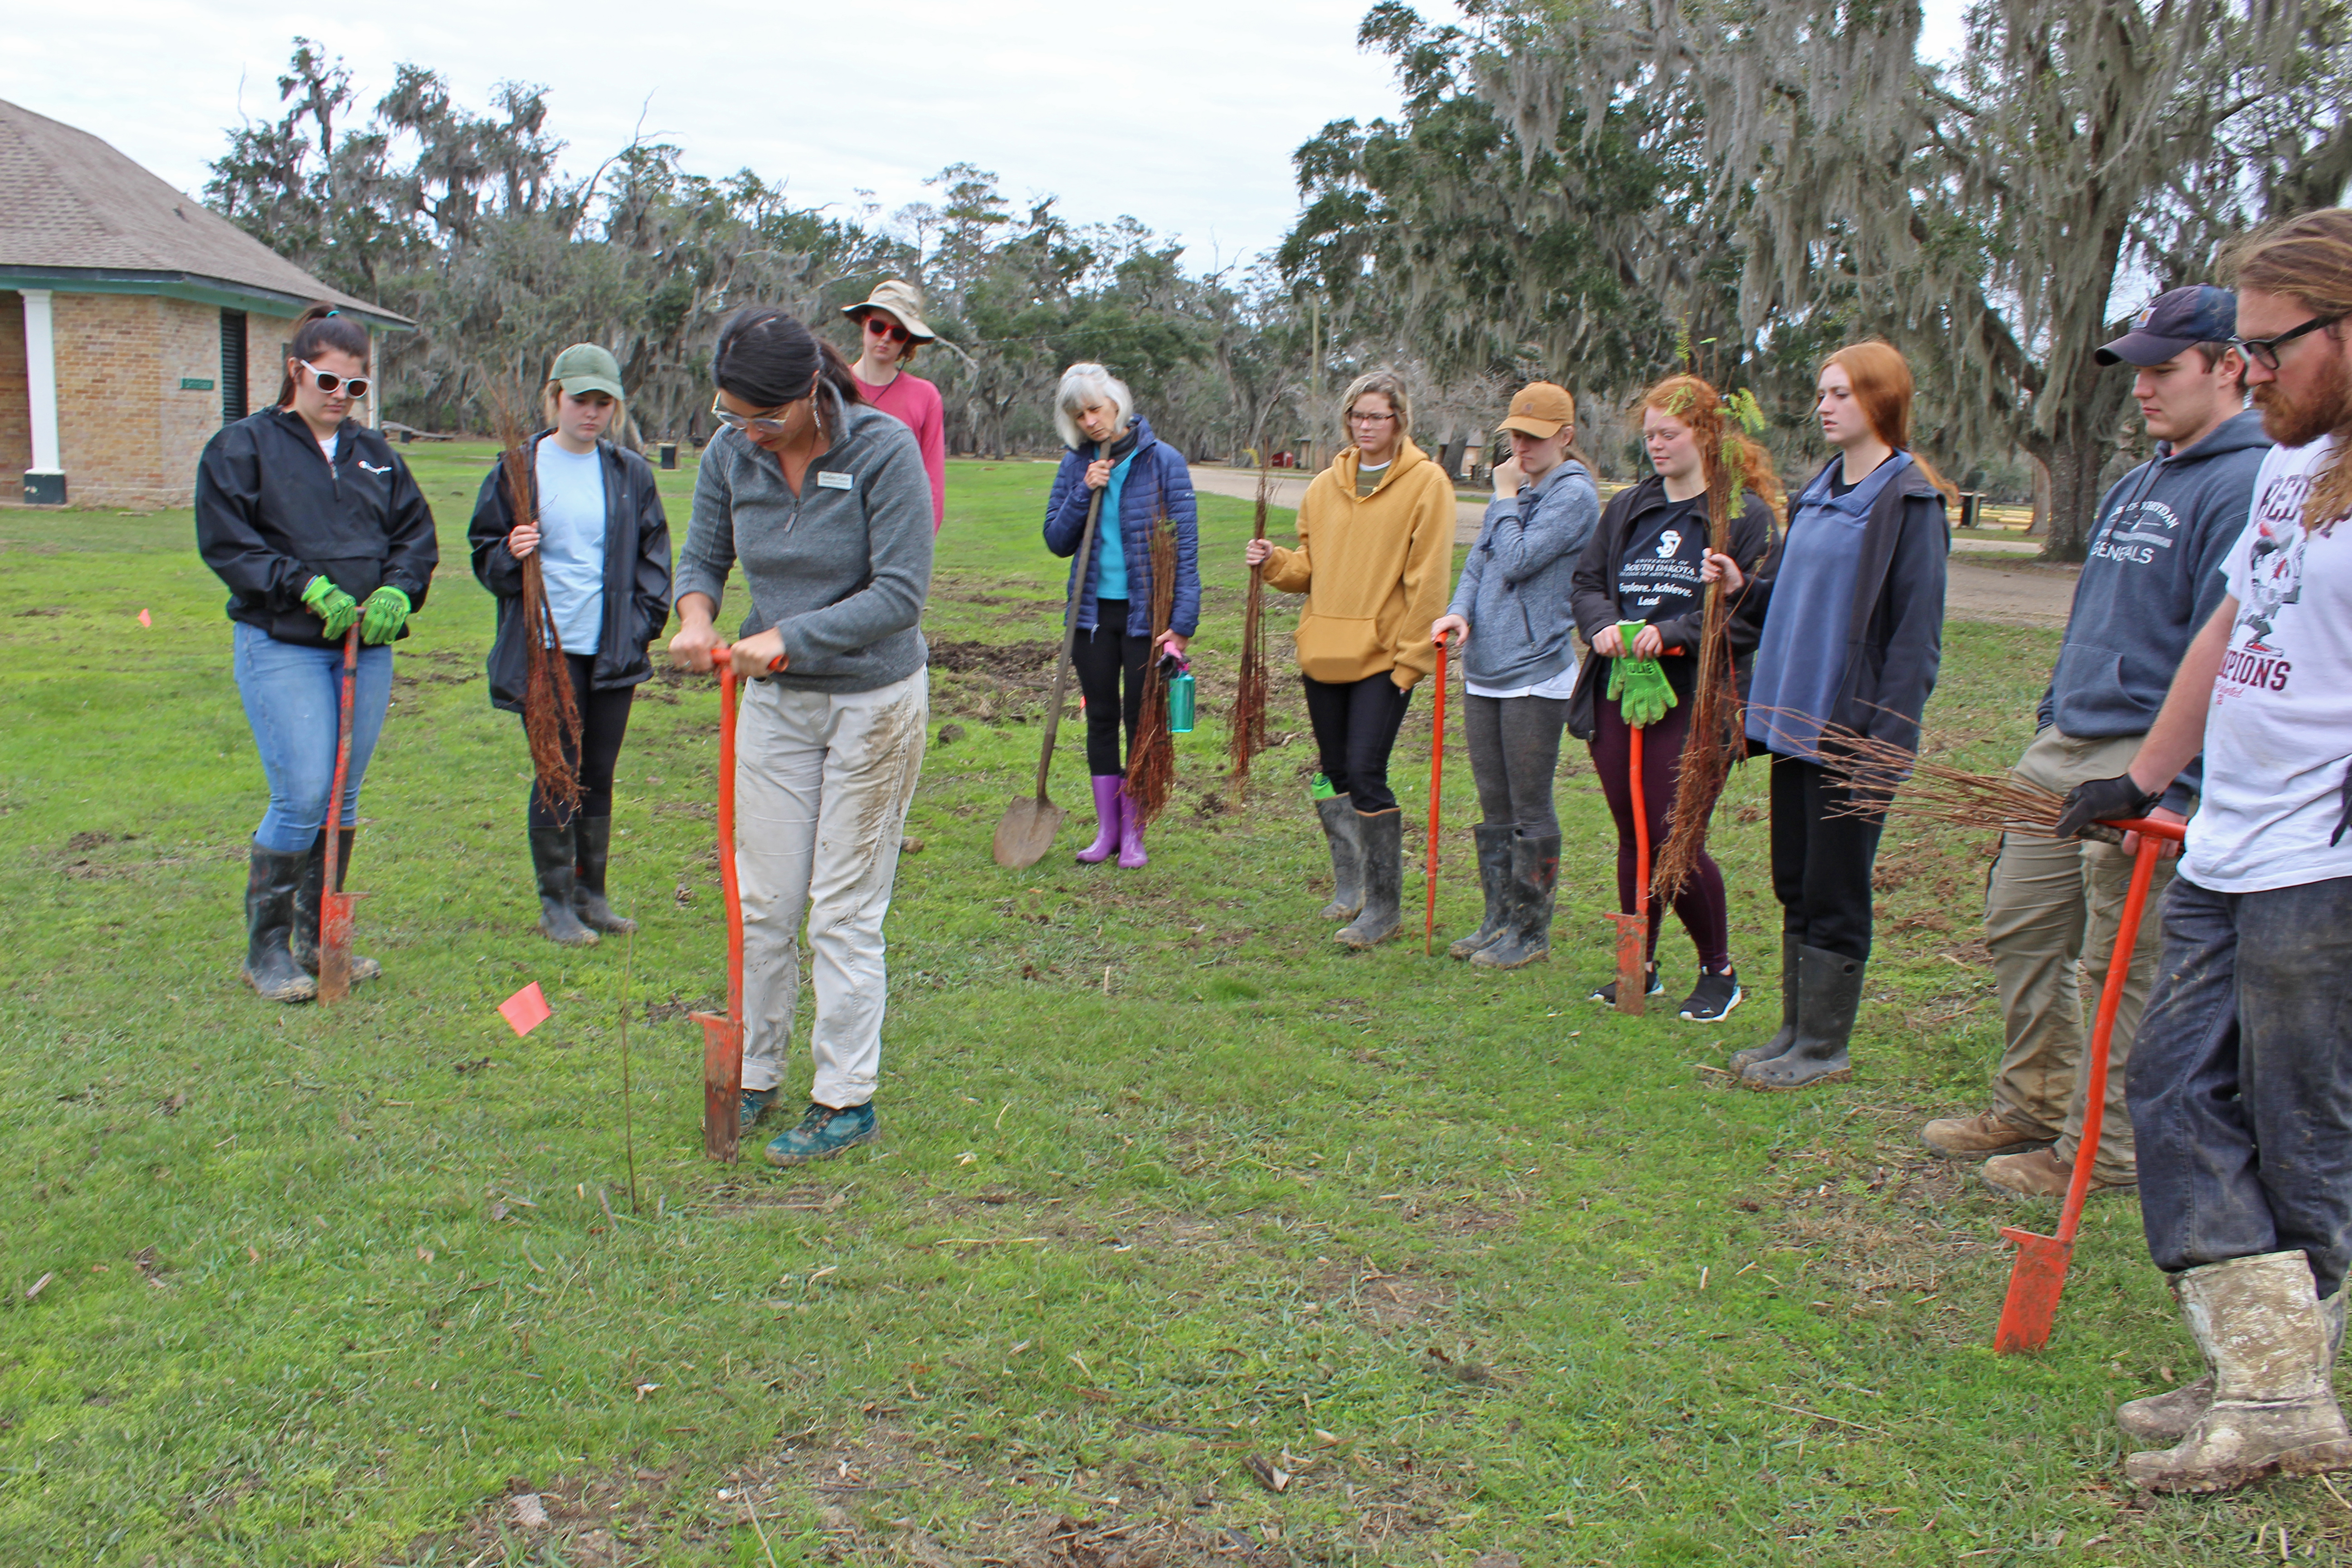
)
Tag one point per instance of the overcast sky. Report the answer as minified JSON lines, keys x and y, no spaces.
{"x":1183,"y":115}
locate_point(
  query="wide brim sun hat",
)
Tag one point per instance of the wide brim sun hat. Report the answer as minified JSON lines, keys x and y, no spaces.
{"x":901,"y":300}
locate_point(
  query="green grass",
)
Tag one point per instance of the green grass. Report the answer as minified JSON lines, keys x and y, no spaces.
{"x":1169,"y":1183}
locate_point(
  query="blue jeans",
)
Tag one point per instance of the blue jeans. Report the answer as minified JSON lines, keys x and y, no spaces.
{"x":293,"y":699}
{"x":2241,"y":1079}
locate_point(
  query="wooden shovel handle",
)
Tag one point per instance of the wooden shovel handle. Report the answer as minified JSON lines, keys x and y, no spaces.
{"x":1070,"y":631}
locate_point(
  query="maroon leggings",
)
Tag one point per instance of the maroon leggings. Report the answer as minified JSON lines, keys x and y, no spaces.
{"x":1700,"y":904}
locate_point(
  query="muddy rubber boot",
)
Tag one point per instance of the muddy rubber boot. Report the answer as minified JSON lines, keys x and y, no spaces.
{"x":2166,"y":1417}
{"x":592,"y":843}
{"x":1535,"y":883}
{"x":2273,"y":1410}
{"x":551,"y":862}
{"x":1792,"y":988}
{"x":1495,"y":881}
{"x":1382,"y":839}
{"x":1339,"y":831}
{"x":1131,"y":857}
{"x":270,"y":881}
{"x":1110,"y":809}
{"x":304,"y":938}
{"x":1829,"y":997}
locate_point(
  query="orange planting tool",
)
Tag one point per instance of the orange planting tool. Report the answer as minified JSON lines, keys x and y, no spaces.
{"x":722,"y":1038}
{"x":334,"y":904}
{"x":2039,"y":1276}
{"x":1436,"y":782}
{"x":1633,"y":930}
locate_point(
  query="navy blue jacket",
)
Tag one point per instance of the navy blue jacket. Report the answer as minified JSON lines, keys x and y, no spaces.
{"x":1158,"y":485}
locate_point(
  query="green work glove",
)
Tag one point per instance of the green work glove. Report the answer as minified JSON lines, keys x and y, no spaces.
{"x":1639,"y":685}
{"x":332,"y":606}
{"x":387,"y":612}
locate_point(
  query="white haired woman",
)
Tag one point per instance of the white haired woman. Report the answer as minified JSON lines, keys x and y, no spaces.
{"x":1375,"y":545}
{"x":1143,"y":481}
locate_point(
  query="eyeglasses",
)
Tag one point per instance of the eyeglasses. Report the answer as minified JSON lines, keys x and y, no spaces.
{"x":352,"y":386}
{"x":734,"y":421}
{"x":2264,"y":351}
{"x":1355,"y":418}
{"x":883,"y":326}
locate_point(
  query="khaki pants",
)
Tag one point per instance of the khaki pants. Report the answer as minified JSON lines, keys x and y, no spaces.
{"x":2051,"y":912}
{"x":822,"y":781}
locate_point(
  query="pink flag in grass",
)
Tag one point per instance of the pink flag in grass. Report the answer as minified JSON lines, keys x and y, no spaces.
{"x":144,"y":619}
{"x":526,"y":1010}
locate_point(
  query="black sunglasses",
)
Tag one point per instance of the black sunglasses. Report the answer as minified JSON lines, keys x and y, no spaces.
{"x":883,"y":325}
{"x":2264,"y":351}
{"x":352,"y":386}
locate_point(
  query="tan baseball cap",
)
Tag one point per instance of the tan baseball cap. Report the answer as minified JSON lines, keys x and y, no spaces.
{"x":901,"y":299}
{"x":1539,"y":410}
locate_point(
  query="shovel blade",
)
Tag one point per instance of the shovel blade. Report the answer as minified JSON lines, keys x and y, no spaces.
{"x":335,"y":945}
{"x":1027,"y":831}
{"x":722,"y":1086}
{"x":1632,"y":962}
{"x":2035,"y":1282}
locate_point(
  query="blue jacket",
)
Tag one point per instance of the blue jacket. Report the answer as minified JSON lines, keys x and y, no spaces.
{"x":1514,"y":584}
{"x":1158,"y":485}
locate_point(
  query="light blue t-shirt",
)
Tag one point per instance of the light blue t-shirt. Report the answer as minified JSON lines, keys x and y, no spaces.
{"x":1110,"y":543}
{"x":571,"y":543}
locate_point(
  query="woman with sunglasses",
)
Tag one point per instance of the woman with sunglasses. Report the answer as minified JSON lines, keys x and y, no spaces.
{"x":889,"y":330}
{"x":602,"y":543}
{"x":821,"y":501}
{"x":316,"y":527}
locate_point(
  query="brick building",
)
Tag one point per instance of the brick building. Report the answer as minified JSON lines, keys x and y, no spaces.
{"x":134,"y":321}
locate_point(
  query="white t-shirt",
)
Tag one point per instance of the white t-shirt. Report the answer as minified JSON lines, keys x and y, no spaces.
{"x":1560,"y":687}
{"x":2279,"y":735}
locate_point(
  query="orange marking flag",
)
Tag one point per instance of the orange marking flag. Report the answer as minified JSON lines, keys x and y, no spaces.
{"x":526,"y":1010}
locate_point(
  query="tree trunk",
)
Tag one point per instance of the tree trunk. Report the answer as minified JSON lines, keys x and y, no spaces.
{"x":2072,"y":463}
{"x":2040,"y":527}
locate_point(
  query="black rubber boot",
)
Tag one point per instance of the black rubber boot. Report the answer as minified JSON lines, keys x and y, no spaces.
{"x":1382,"y":838}
{"x":1495,"y":881}
{"x":270,"y":880}
{"x":305,"y":935}
{"x":593,"y":838}
{"x":1830,"y":999}
{"x":1338,"y":815}
{"x":551,"y":859}
{"x":1790,"y":989}
{"x":1535,"y":883}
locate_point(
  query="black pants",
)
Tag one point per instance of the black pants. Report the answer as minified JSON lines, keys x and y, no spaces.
{"x":1702,"y":904}
{"x":1100,"y":658}
{"x":1514,"y":754}
{"x":1820,"y":863}
{"x":603,"y":721}
{"x":1356,"y":725}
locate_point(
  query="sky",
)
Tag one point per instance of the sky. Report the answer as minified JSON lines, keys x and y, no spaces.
{"x":1181,"y":115}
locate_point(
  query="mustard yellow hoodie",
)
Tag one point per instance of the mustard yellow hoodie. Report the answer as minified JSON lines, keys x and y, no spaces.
{"x":1375,"y":570}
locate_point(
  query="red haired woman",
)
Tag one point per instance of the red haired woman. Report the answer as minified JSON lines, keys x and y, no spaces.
{"x":1847,"y":620}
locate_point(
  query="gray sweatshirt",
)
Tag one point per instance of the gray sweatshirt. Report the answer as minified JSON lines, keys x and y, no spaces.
{"x":1515,"y":585}
{"x":2152,"y":578}
{"x":841,"y":569}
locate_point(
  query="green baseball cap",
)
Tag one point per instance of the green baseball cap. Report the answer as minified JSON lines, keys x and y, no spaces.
{"x":584,"y":368}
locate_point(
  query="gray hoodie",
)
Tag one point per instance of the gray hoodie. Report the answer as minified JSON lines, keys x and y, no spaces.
{"x":2152,"y":578}
{"x":1514,"y":584}
{"x":841,"y":569}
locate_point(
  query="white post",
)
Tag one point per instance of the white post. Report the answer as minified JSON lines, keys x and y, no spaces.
{"x":41,"y":383}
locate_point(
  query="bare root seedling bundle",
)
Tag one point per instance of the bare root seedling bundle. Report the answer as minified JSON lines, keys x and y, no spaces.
{"x":1152,"y":770}
{"x":1246,"y":737}
{"x":550,"y":715}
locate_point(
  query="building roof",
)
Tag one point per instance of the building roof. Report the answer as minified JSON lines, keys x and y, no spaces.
{"x":79,"y":215}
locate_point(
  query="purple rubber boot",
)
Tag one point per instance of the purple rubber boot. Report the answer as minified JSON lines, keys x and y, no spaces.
{"x":1110,"y":813}
{"x":1130,"y":838}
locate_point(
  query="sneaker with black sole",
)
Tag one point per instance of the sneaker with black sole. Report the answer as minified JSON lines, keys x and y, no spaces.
{"x":1606,"y":994}
{"x":1714,"y":997}
{"x":825,"y":1131}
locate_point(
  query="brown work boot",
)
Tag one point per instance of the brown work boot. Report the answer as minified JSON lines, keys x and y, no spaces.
{"x":1982,"y":1136}
{"x":2042,"y":1174}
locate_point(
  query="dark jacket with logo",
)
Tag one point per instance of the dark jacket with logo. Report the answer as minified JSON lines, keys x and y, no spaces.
{"x":1592,"y":590}
{"x":272,"y":514}
{"x":636,"y":574}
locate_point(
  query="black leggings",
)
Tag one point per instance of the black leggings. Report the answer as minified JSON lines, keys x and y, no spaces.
{"x":603,"y":721}
{"x":1821,"y":862}
{"x":1356,"y":725}
{"x":1514,"y":754}
{"x":1100,"y":657}
{"x":1701,"y":904}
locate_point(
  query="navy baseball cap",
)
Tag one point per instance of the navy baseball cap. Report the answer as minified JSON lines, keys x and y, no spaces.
{"x":2173,"y":323}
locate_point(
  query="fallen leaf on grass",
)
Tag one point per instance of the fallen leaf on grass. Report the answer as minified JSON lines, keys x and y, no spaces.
{"x":424,"y":1255}
{"x":171,"y":1106}
{"x":643,"y":1389}
{"x":1269,"y":1478}
{"x":528,"y":1511}
{"x":38,"y":1286}
{"x":497,"y":1211}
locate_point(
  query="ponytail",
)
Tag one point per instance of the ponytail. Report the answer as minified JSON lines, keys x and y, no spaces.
{"x":768,"y":358}
{"x":316,"y":330}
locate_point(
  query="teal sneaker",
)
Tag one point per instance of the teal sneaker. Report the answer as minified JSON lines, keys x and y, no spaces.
{"x":755,"y":1104}
{"x":825,"y":1133}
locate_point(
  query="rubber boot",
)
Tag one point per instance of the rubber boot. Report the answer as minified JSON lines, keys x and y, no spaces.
{"x":1534,"y":882}
{"x":2262,"y":1333}
{"x":304,"y":938}
{"x":1111,"y":812}
{"x":1381,"y":840}
{"x":2166,"y":1417}
{"x":1791,"y":971}
{"x":592,"y":843}
{"x":271,"y":879}
{"x":551,"y":861}
{"x":1495,"y":881}
{"x":1341,"y":833}
{"x":1829,"y":997}
{"x":1131,"y":857}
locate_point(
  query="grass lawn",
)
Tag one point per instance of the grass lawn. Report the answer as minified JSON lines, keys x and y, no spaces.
{"x":1192,"y":1236}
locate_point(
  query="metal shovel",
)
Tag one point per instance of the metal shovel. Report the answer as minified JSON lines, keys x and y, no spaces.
{"x":1028,"y":826}
{"x":722,"y":1038}
{"x":2039,"y":1276}
{"x":334,"y":904}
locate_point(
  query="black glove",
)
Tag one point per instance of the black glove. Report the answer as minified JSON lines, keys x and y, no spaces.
{"x":2118,"y":799}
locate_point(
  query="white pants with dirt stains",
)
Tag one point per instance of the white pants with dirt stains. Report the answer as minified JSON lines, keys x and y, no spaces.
{"x":822,"y":781}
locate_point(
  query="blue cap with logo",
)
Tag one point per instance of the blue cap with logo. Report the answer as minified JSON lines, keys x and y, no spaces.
{"x":2175,"y":322}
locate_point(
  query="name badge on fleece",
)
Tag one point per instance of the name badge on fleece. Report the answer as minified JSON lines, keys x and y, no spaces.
{"x":831,"y":481}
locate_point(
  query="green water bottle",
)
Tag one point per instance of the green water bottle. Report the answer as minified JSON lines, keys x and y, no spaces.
{"x":1180,"y":700}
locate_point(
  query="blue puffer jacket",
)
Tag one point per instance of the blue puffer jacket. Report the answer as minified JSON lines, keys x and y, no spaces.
{"x":1158,"y":485}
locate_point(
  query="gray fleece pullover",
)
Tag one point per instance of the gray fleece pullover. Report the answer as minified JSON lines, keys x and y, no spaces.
{"x":1514,"y":584}
{"x":2151,"y":579}
{"x":841,"y":569}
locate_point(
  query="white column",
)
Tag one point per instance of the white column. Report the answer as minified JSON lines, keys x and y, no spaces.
{"x":41,"y":380}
